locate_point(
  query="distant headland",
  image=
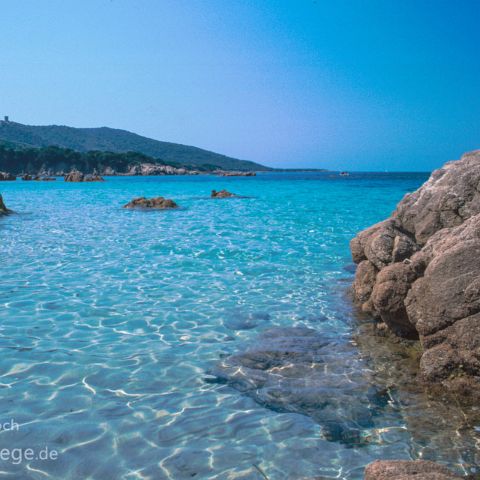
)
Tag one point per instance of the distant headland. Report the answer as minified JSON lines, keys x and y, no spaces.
{"x":58,"y":148}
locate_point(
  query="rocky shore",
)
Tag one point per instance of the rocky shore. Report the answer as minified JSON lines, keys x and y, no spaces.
{"x":418,"y":274}
{"x":4,"y":176}
{"x":223,"y":173}
{"x":138,"y":169}
{"x":147,"y":169}
{"x":43,"y":178}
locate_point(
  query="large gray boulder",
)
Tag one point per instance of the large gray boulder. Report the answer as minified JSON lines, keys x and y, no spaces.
{"x":447,"y":199}
{"x":419,"y":272}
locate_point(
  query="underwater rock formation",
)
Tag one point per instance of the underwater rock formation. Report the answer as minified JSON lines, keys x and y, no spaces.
{"x":298,"y":370}
{"x":418,"y":271}
{"x":408,"y":470}
{"x":158,"y":203}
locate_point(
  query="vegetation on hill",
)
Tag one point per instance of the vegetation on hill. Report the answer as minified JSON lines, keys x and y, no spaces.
{"x":117,"y":141}
{"x":16,"y":160}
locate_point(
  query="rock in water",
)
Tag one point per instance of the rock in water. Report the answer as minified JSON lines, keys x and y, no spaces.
{"x":74,"y":176}
{"x":7,"y":176}
{"x":46,"y":179}
{"x":222,"y":194}
{"x":93,"y":178}
{"x":408,"y":470}
{"x":3,"y":209}
{"x":300,"y":371}
{"x":158,"y":203}
{"x":419,"y":272}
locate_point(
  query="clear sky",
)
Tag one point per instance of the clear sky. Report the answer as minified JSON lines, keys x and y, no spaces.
{"x":357,"y":84}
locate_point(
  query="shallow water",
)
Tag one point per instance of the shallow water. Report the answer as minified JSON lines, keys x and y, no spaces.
{"x":111,"y":320}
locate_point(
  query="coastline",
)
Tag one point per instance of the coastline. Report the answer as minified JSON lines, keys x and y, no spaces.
{"x":416,"y":281}
{"x":391,"y":418}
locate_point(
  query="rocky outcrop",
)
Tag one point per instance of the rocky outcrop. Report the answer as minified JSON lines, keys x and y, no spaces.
{"x":76,"y":176}
{"x":94,"y":177}
{"x":418,"y":272}
{"x":7,"y":176}
{"x":45,"y":179}
{"x":222,"y":194}
{"x":39,"y":177}
{"x":109,"y":171}
{"x":3,"y":209}
{"x":158,"y":203}
{"x":158,"y":169}
{"x":408,"y":470}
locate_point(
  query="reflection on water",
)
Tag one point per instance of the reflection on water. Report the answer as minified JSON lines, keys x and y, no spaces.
{"x":112,"y":323}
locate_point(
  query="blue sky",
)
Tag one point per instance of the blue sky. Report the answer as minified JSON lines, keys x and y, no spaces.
{"x":358,"y":84}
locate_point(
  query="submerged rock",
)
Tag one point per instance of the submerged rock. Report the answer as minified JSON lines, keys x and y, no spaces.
{"x":222,"y":194}
{"x":158,"y":203}
{"x":240,"y":321}
{"x":7,"y":176}
{"x":300,"y":371}
{"x":408,"y":470}
{"x":418,"y":272}
{"x":439,"y":425}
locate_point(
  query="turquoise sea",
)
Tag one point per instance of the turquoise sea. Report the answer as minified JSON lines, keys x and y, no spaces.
{"x":112,"y":322}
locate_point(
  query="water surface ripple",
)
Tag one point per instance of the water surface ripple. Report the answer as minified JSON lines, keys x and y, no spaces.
{"x":110,"y":321}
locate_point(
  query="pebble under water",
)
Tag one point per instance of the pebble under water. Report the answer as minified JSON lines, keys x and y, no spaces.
{"x":216,"y":341}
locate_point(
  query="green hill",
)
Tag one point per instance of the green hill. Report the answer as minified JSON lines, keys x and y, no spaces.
{"x":114,"y":140}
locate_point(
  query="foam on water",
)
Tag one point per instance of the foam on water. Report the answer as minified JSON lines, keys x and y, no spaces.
{"x":110,"y":321}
